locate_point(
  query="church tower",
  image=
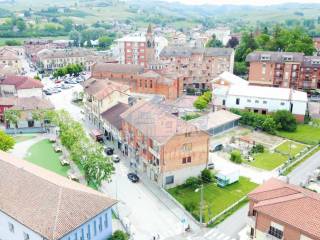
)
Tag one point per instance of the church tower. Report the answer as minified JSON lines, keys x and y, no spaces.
{"x":150,"y":46}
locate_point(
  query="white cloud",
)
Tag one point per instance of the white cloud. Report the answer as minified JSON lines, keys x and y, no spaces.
{"x":238,"y":2}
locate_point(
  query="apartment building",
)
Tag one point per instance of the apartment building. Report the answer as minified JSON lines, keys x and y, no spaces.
{"x":140,"y":48}
{"x":101,"y":95}
{"x":38,"y":204}
{"x":278,"y":210}
{"x":10,"y":56}
{"x":49,"y":60}
{"x":260,"y":99}
{"x":20,"y":86}
{"x":284,"y":69}
{"x":162,"y":146}
{"x":198,"y":65}
{"x":316,"y":42}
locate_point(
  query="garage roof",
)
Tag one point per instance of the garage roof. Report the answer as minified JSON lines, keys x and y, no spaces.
{"x":215,"y":119}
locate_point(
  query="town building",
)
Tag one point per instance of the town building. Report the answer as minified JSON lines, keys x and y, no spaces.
{"x":168,"y":85}
{"x":49,"y":60}
{"x":101,"y":95}
{"x":6,"y":103}
{"x":278,"y":210}
{"x":262,"y":100}
{"x":198,"y":65}
{"x":284,"y":69}
{"x":10,"y":56}
{"x":20,"y":86}
{"x":112,"y":123}
{"x":38,"y":204}
{"x":140,"y":48}
{"x":227,"y":79}
{"x":222,"y":34}
{"x":316,"y":42}
{"x":27,"y":122}
{"x":218,"y":122}
{"x":162,"y":146}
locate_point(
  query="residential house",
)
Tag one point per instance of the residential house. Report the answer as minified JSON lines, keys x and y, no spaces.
{"x":227,"y":79}
{"x":49,"y":60}
{"x":262,"y":100}
{"x":26,"y":123}
{"x":112,"y":123}
{"x":139,"y":48}
{"x":198,"y":65}
{"x":38,"y":204}
{"x":101,"y":95}
{"x":278,"y":210}
{"x":9,"y":56}
{"x":20,"y":86}
{"x":162,"y":146}
{"x":284,"y":69}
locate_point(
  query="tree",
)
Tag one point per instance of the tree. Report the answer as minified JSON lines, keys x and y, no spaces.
{"x":12,"y":117}
{"x":21,"y":25}
{"x":192,"y":182}
{"x":247,"y":45}
{"x":200,"y":103}
{"x":75,"y":37}
{"x":67,"y":24}
{"x":105,"y":42}
{"x":207,"y":96}
{"x":6,"y":142}
{"x":214,"y":42}
{"x":269,"y":125}
{"x":119,"y":235}
{"x":37,"y":77}
{"x":233,"y":42}
{"x":285,"y":120}
{"x":240,"y":68}
{"x":206,"y":176}
{"x":236,"y":157}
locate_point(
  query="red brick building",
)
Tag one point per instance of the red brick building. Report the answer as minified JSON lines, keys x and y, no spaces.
{"x":278,"y":210}
{"x":284,"y":69}
{"x":164,"y":147}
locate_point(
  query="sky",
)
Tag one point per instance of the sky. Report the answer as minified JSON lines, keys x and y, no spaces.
{"x":240,"y":2}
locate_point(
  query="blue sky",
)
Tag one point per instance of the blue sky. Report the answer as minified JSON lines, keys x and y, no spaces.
{"x":250,"y":2}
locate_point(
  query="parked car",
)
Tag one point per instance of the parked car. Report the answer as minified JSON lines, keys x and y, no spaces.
{"x":115,"y":158}
{"x":133,"y":177}
{"x":47,"y":92}
{"x":58,"y":81}
{"x":109,"y":151}
{"x":210,"y":165}
{"x":66,"y":86}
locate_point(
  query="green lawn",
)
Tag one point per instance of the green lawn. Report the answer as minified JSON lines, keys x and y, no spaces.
{"x":43,"y":155}
{"x":305,"y":133}
{"x":267,"y":160}
{"x":291,"y":148}
{"x":216,"y":199}
{"x":23,"y":137}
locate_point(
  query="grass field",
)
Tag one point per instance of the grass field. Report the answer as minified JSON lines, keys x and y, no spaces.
{"x":23,"y":137}
{"x":305,"y":134}
{"x":290,"y":148}
{"x":267,"y":160}
{"x":43,"y":155}
{"x":216,"y":199}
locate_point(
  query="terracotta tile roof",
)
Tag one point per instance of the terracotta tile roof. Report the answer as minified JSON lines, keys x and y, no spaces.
{"x":274,"y":56}
{"x":32,"y":103}
{"x":45,"y":202}
{"x":289,"y":204}
{"x":64,"y":53}
{"x":185,"y":51}
{"x":21,"y":82}
{"x":156,"y":123}
{"x":101,"y":67}
{"x":101,"y":88}
{"x":112,"y":115}
{"x":8,"y":54}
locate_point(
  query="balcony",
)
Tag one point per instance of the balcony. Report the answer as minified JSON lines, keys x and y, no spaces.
{"x":154,"y":152}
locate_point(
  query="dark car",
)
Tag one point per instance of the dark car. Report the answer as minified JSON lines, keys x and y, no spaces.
{"x":133,"y":177}
{"x":109,"y":151}
{"x":115,"y":158}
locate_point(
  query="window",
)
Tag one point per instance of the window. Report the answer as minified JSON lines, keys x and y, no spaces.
{"x":188,"y":159}
{"x":169,"y":180}
{"x":106,"y":220}
{"x":256,"y":101}
{"x":187,"y":134}
{"x":264,"y":102}
{"x":184,"y":160}
{"x":82,"y":234}
{"x":282,"y":103}
{"x":140,"y":83}
{"x":100,"y":224}
{"x":150,"y":84}
{"x":223,"y":102}
{"x":263,"y":69}
{"x":95,"y":227}
{"x":238,"y":101}
{"x":187,"y":147}
{"x":26,"y":236}
{"x":11,"y":227}
{"x":146,"y":83}
{"x":275,"y":232}
{"x":249,"y":100}
{"x":89,"y":232}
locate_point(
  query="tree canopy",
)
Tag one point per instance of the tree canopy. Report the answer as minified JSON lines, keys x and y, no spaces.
{"x":6,"y":142}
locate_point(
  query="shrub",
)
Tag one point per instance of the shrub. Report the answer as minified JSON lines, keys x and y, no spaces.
{"x":259,"y":148}
{"x":207,"y":96}
{"x":190,"y":116}
{"x":119,"y":235}
{"x":192,"y":182}
{"x":206,"y":176}
{"x":190,"y":206}
{"x":200,"y":103}
{"x":236,"y":157}
{"x":285,"y":120}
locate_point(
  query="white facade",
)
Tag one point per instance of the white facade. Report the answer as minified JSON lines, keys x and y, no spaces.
{"x":31,"y":92}
{"x":266,"y":99}
{"x":223,"y":34}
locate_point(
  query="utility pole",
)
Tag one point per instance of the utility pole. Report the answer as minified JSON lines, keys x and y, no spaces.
{"x":201,"y":201}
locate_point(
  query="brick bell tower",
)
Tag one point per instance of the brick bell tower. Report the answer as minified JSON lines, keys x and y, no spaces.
{"x":150,"y":46}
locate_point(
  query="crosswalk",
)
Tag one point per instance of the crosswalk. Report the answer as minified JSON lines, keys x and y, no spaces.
{"x":212,"y":234}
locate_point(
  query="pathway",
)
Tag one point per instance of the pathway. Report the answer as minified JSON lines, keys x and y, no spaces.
{"x":20,"y":149}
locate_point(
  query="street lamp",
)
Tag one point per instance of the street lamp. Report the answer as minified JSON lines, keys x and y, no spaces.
{"x":201,"y":200}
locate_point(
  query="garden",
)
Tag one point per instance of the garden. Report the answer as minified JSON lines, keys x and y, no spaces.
{"x":215,"y":199}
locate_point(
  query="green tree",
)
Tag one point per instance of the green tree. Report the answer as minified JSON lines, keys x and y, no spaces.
{"x":207,"y":96}
{"x":21,"y":25}
{"x":75,"y":37}
{"x":6,"y":142}
{"x":206,"y":176}
{"x":247,"y":45}
{"x":214,"y":42}
{"x":67,"y":24}
{"x":240,"y":68}
{"x":12,"y":117}
{"x":192,"y":182}
{"x":200,"y":103}
{"x":119,"y":235}
{"x":105,"y":42}
{"x":236,"y":157}
{"x":285,"y":120}
{"x":233,"y":42}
